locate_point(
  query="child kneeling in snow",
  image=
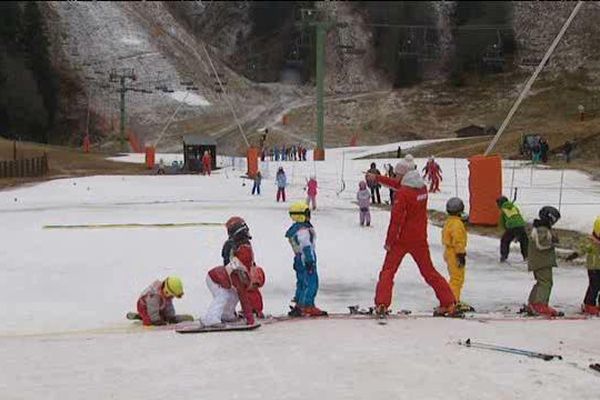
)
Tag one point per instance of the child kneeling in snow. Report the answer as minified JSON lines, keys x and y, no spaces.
{"x":229,"y":285}
{"x":363,"y":196}
{"x":155,"y":305}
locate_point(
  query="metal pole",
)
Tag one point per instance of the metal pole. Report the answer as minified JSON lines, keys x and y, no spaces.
{"x":171,"y":119}
{"x":214,"y":70}
{"x":122,"y":129}
{"x":512,"y":180}
{"x":562,"y":178}
{"x":531,"y":177}
{"x":87,"y":122}
{"x":320,"y":80}
{"x":455,"y":179}
{"x":533,"y":78}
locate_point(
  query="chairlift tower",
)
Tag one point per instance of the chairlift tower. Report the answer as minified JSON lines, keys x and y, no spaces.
{"x":315,"y":19}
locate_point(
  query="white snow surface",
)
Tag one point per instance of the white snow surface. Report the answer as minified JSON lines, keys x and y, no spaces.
{"x":65,"y":293}
{"x":188,"y":98}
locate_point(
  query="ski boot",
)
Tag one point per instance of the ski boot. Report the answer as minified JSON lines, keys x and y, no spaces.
{"x":313,"y":312}
{"x":464,"y":307}
{"x":356,"y":310}
{"x":590,"y":310}
{"x":382,"y":312}
{"x":295,"y":311}
{"x":544,"y":310}
{"x":450,"y":311}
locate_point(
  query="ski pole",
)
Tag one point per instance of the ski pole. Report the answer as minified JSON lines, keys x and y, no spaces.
{"x":545,"y":357}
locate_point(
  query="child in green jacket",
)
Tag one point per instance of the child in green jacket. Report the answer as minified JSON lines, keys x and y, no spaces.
{"x":590,"y":246}
{"x":541,"y":259}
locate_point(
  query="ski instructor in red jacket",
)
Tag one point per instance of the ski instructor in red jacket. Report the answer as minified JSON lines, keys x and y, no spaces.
{"x":407,"y":234}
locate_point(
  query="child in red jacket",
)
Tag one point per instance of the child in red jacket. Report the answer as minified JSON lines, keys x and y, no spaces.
{"x":230,"y":284}
{"x":239,"y":236}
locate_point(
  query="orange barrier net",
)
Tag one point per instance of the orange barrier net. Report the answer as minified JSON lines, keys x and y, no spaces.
{"x":252,"y":159}
{"x":485,"y":186}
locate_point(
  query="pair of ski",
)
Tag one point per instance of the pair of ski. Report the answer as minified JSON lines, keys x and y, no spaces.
{"x":185,"y":324}
{"x":382,"y":318}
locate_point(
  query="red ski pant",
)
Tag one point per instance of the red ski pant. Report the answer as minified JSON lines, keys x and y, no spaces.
{"x":434,"y":185}
{"x":419,"y":253}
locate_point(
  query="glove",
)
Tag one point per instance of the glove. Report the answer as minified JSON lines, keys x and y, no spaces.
{"x":572,"y":256}
{"x":462,"y":259}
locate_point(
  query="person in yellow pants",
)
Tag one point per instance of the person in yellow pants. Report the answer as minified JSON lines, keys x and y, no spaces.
{"x":454,"y":239}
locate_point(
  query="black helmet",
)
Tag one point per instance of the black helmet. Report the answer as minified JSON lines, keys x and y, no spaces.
{"x":501,"y":200}
{"x":372,"y":165}
{"x":549,"y":214}
{"x":455,"y":206}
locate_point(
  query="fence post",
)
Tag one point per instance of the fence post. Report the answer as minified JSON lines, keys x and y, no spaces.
{"x":3,"y":169}
{"x":562,"y":178}
{"x":14,"y":149}
{"x":45,"y":162}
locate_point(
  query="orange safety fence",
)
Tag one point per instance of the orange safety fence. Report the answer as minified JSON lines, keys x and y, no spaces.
{"x":485,"y":186}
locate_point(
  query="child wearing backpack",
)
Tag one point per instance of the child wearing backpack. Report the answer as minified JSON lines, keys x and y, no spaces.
{"x":541,"y":259}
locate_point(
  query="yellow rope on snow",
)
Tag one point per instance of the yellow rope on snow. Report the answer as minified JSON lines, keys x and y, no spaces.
{"x":134,"y":225}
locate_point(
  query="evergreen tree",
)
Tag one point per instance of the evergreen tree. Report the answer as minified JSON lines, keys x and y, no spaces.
{"x":35,"y":43}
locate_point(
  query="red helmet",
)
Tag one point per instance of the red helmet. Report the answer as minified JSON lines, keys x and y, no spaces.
{"x":236,"y":226}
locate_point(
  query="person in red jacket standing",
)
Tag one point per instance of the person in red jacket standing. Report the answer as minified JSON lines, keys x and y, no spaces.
{"x":206,"y":163}
{"x":230,"y":284}
{"x":433,"y":172}
{"x":407,"y":234}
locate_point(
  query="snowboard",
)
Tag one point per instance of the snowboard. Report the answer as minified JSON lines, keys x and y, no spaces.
{"x":200,"y":328}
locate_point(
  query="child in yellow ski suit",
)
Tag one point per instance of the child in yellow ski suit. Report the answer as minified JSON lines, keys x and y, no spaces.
{"x":454,"y":239}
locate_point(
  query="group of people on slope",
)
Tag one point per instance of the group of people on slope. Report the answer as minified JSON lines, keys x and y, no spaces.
{"x":432,"y":172}
{"x":283,"y":153}
{"x":239,"y":279}
{"x":407,"y":234}
{"x":538,"y":250}
{"x":311,"y":187}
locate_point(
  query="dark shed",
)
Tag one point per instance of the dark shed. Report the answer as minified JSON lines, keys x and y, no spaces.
{"x":194,"y":147}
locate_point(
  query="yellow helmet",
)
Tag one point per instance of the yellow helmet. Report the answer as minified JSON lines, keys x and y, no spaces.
{"x":173,"y":287}
{"x":300,"y":212}
{"x":597,"y":226}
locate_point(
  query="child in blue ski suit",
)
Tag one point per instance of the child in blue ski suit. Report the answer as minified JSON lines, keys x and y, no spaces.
{"x":302,"y":236}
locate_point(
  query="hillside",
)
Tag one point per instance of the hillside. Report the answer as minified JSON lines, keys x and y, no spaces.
{"x":394,"y":70}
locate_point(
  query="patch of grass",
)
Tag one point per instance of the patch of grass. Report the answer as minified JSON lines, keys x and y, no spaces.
{"x":65,"y":162}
